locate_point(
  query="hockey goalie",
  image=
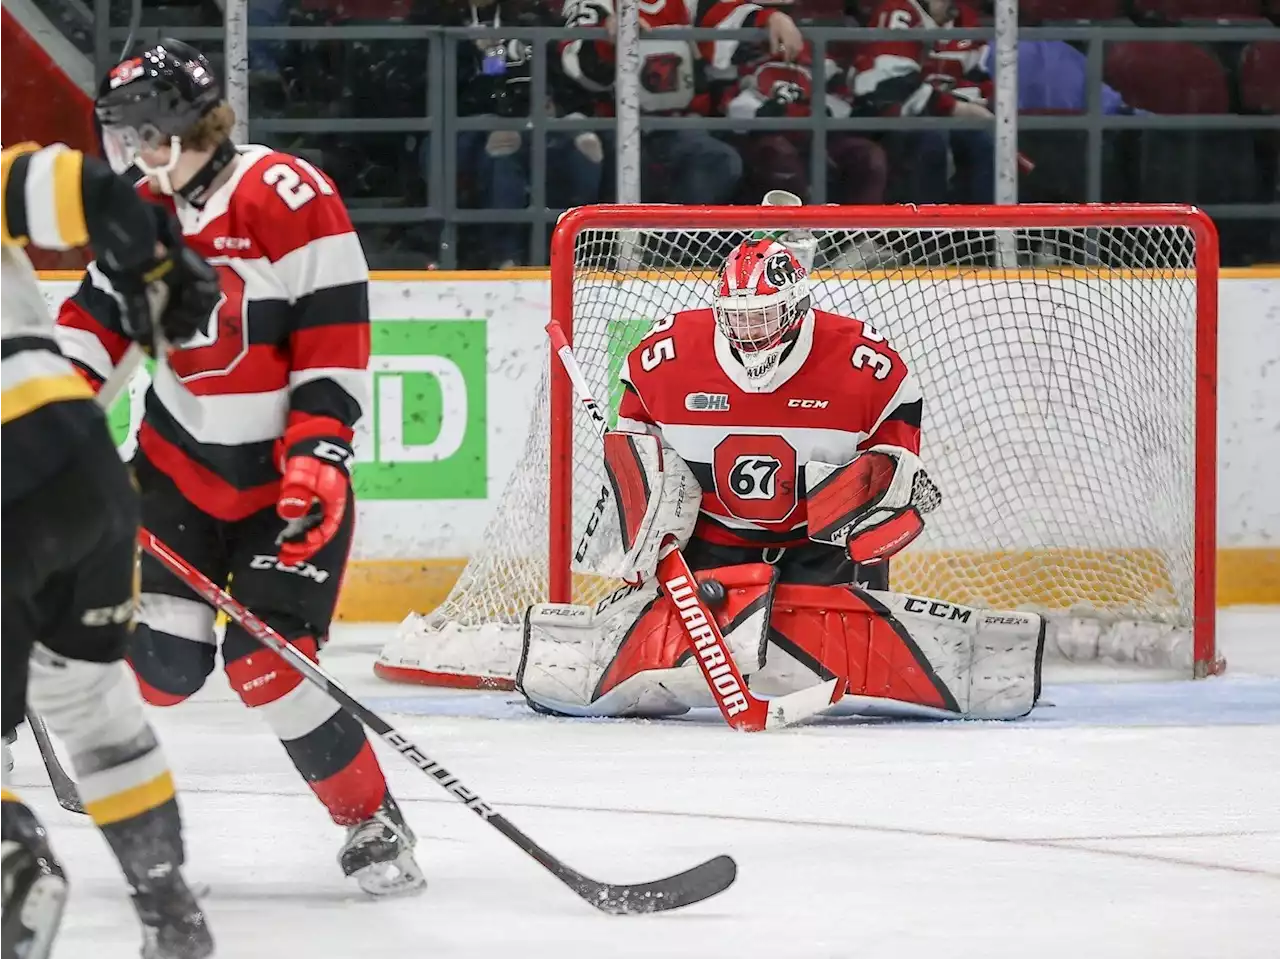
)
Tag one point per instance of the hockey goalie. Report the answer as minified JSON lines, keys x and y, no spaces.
{"x":777,"y":445}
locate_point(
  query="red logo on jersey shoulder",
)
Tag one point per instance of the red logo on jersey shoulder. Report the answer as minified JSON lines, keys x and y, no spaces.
{"x":755,"y":477}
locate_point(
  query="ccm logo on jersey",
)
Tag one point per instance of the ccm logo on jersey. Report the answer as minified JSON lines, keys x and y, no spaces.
{"x":706,"y":402}
{"x":305,"y":570}
{"x":914,"y":604}
{"x":232,"y":243}
{"x":808,"y":404}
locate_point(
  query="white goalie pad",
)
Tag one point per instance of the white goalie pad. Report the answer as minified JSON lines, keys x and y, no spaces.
{"x":628,"y":656}
{"x":902,"y":655}
{"x":983,"y":663}
{"x":651,"y":495}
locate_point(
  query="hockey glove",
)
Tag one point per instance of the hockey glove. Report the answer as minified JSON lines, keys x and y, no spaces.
{"x":313,"y":496}
{"x":173,"y":294}
{"x":873,"y":506}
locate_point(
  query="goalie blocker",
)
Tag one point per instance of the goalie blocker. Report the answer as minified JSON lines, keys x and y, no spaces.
{"x":901,"y":655}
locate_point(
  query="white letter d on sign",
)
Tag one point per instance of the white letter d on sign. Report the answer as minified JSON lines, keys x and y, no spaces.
{"x":453,"y":415}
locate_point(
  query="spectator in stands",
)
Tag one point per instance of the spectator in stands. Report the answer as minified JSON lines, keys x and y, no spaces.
{"x":1052,"y":77}
{"x":494,"y":78}
{"x":773,"y":87}
{"x":677,"y":78}
{"x":939,"y":78}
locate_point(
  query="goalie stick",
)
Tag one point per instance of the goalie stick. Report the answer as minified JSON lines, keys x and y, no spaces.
{"x":740,"y":708}
{"x":683,"y":889}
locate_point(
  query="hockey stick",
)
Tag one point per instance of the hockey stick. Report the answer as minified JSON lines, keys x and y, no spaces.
{"x":118,"y":381}
{"x":683,"y":889}
{"x":740,"y":708}
{"x":64,"y":787}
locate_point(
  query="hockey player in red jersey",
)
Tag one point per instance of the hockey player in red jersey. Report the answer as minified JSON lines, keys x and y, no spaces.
{"x":952,"y":67}
{"x":778,"y":445}
{"x":244,"y":453}
{"x":677,"y":77}
{"x":772,"y":86}
{"x":932,"y":78}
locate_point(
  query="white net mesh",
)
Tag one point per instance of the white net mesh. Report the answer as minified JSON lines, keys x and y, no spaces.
{"x":1059,"y":422}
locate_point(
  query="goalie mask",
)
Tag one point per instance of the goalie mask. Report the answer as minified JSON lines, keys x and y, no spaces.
{"x":762,"y":300}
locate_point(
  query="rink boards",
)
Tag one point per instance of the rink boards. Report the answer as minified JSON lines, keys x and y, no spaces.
{"x":458,"y":359}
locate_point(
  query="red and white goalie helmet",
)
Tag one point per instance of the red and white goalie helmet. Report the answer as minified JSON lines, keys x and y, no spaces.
{"x":762,"y":297}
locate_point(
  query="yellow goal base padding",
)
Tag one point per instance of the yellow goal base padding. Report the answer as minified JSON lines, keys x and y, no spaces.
{"x":386,"y":590}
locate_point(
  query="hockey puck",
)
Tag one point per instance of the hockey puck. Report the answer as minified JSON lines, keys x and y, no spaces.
{"x":712,"y":592}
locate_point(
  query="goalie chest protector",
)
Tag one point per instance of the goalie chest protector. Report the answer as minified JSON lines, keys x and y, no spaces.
{"x":840,"y":389}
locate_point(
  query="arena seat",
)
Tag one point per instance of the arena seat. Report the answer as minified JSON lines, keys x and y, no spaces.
{"x":813,"y":11}
{"x":1172,"y":78}
{"x":1033,"y":12}
{"x":1260,"y":77}
{"x":1176,"y":11}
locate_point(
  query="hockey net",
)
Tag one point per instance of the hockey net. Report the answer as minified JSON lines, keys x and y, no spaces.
{"x":1067,"y":360}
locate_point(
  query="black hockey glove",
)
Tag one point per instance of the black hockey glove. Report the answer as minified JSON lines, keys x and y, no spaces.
{"x":173,"y":294}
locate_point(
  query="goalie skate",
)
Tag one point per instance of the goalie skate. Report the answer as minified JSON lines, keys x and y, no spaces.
{"x":378,"y":853}
{"x":35,"y":887}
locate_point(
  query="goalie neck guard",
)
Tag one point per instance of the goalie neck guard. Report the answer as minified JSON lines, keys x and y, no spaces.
{"x":762,"y":298}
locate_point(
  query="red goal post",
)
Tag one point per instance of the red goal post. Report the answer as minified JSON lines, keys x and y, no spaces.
{"x":1067,"y":356}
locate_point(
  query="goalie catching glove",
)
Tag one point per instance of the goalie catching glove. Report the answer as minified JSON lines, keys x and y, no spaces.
{"x":872,"y":506}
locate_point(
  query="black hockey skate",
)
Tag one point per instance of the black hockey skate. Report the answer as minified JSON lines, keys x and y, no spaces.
{"x":173,"y":924}
{"x":34,"y":885}
{"x":379,"y":854}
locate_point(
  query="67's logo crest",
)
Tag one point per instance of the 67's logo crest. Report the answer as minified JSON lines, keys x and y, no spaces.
{"x":756,"y":477}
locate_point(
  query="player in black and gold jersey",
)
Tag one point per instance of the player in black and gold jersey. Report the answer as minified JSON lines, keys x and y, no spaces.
{"x":70,"y":517}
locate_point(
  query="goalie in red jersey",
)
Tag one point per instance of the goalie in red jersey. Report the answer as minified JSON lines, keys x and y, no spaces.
{"x":244,"y":452}
{"x":778,"y":446}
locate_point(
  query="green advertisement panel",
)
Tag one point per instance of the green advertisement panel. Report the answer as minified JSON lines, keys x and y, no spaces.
{"x":428,"y":426}
{"x":623,"y":335}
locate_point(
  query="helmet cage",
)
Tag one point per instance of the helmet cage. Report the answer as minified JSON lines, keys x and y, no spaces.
{"x":760,"y":321}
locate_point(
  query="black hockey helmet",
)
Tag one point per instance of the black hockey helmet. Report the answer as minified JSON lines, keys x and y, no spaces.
{"x":151,"y":101}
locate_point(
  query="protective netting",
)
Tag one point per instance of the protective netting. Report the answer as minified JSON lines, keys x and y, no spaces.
{"x":1058,"y":369}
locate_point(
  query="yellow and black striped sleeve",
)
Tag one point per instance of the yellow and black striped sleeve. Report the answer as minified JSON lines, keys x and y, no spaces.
{"x":44,"y":197}
{"x":58,"y":198}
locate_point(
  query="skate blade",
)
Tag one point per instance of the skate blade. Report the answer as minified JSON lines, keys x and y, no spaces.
{"x":400,"y":877}
{"x":42,"y":914}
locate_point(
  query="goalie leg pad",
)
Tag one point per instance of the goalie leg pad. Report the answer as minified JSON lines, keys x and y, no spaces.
{"x":905,"y":655}
{"x":630,"y":656}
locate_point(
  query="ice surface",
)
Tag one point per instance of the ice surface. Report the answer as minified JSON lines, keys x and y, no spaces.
{"x":1119,"y":820}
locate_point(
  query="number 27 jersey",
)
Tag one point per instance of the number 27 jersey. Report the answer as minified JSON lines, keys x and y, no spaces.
{"x":839,"y":390}
{"x":287,"y":347}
